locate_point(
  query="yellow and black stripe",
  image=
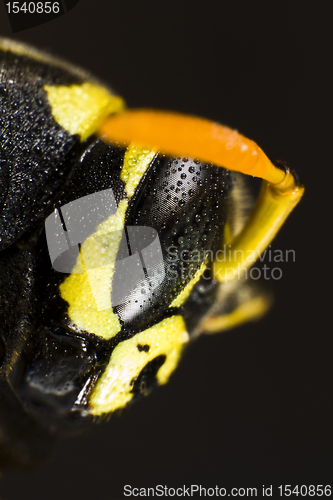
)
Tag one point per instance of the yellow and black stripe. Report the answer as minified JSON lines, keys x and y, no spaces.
{"x":154,"y":319}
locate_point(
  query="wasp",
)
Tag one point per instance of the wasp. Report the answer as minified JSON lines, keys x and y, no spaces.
{"x":122,"y":237}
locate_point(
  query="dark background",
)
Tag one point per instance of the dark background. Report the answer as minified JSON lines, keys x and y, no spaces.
{"x":253,"y":406}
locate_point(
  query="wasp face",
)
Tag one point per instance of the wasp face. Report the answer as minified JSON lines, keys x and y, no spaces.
{"x":107,"y":251}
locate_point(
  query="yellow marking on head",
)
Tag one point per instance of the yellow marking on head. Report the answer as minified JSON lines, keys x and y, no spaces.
{"x":89,"y":293}
{"x":80,"y":109}
{"x":184,"y":294}
{"x":113,"y":390}
{"x":137,"y":160}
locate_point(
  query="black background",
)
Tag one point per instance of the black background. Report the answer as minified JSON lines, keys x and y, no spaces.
{"x":253,"y":406}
